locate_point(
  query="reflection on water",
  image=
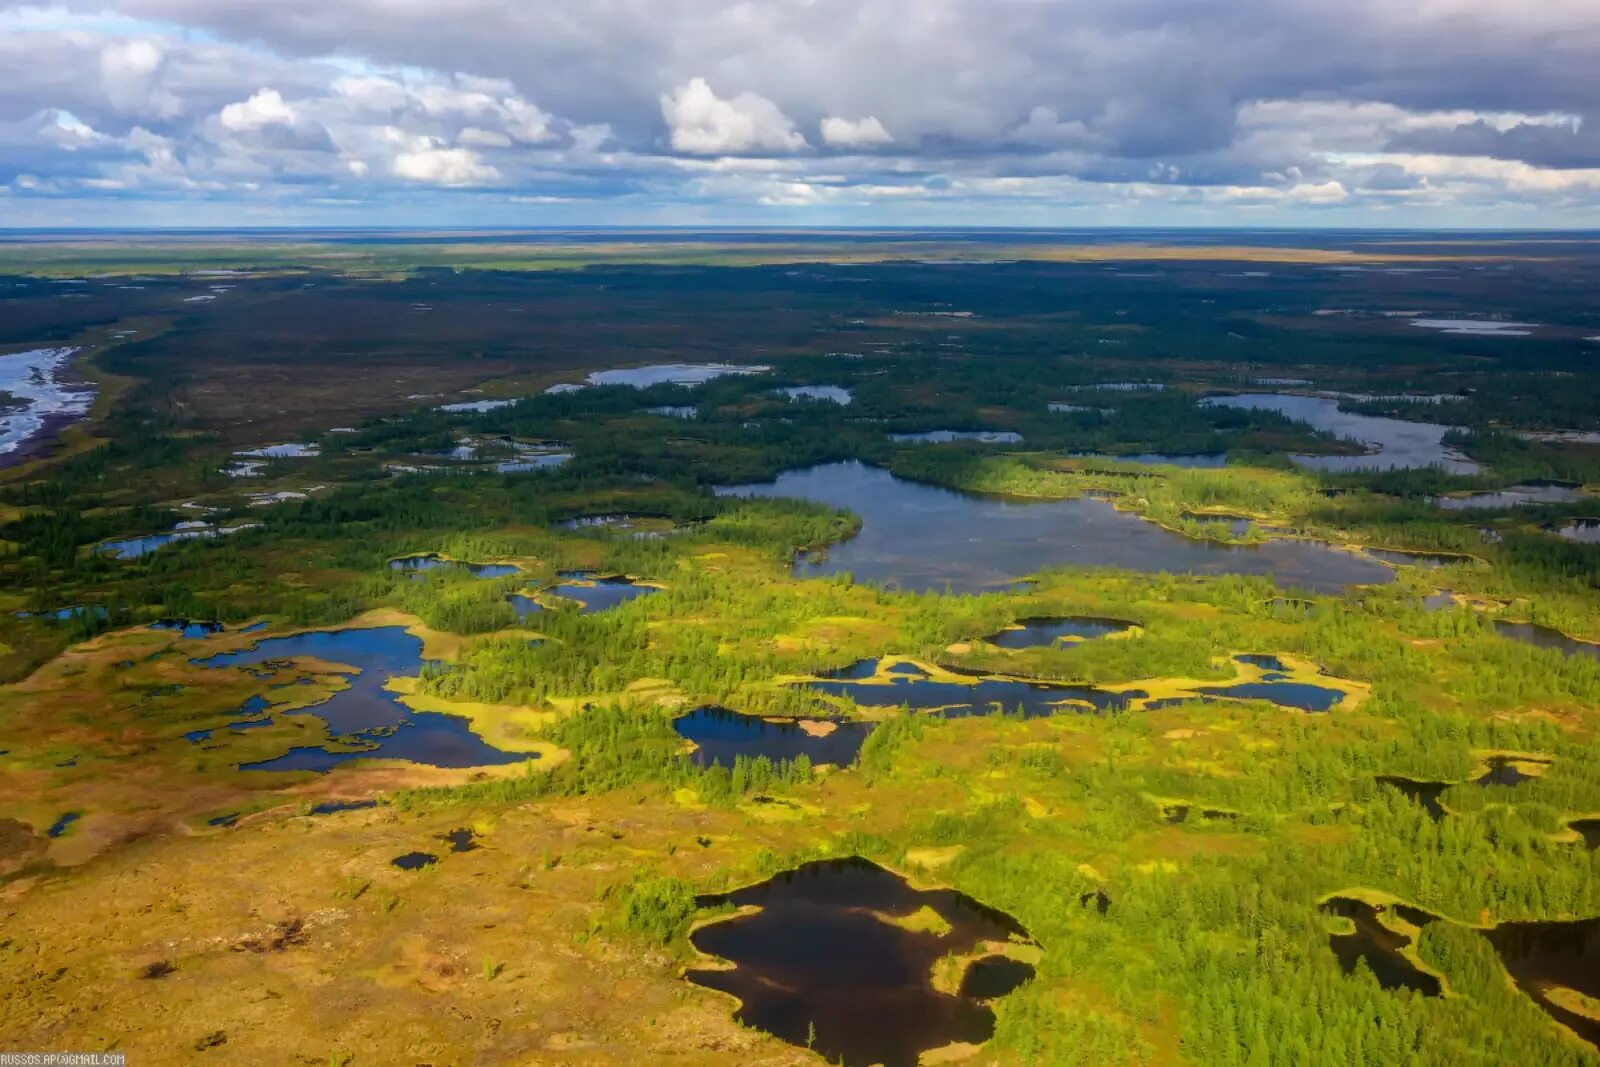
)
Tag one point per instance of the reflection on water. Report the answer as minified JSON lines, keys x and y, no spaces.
{"x":983,"y":696}
{"x":825,"y":964}
{"x":1514,"y":496}
{"x":41,"y":399}
{"x":829,"y":393}
{"x":1420,"y":792}
{"x":1545,"y":637}
{"x":1543,"y":958}
{"x":722,"y":736}
{"x":1033,"y":633}
{"x":944,"y":437}
{"x":365,"y":720}
{"x":1584,"y":531}
{"x":1379,"y":947}
{"x":661,"y":374}
{"x":921,"y":537}
{"x":432,"y":562}
{"x":599,"y":594}
{"x":134,"y":547}
{"x":1398,"y":443}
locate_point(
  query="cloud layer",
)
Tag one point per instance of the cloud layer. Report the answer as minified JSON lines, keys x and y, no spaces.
{"x":1029,"y":112}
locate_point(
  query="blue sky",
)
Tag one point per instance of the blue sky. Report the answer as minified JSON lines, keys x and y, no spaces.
{"x":801,"y":112}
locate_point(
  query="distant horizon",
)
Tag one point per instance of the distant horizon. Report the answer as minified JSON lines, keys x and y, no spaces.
{"x":731,"y":228}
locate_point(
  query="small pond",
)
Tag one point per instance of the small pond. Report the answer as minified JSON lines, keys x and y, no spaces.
{"x":1583,"y":531}
{"x":475,"y":406}
{"x":1034,"y":633}
{"x":1380,"y":947}
{"x":1544,"y":957}
{"x":831,"y":394}
{"x":661,"y":374}
{"x":62,"y":824}
{"x":922,"y":537}
{"x":838,"y":959}
{"x":134,"y":547}
{"x":1504,"y":771}
{"x":1521,"y":495}
{"x":944,"y":437}
{"x":722,"y":736}
{"x":433,"y":562}
{"x":599,"y":593}
{"x":1546,"y":637}
{"x":1419,"y":792}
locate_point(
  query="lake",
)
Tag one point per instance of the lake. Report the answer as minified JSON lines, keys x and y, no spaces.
{"x":1395,"y":443}
{"x":922,"y":537}
{"x":365,"y":720}
{"x":829,"y":961}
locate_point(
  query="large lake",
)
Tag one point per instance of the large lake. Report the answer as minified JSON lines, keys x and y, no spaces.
{"x":922,"y":537}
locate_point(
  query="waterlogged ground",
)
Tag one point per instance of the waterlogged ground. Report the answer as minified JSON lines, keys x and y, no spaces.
{"x":578,"y":786}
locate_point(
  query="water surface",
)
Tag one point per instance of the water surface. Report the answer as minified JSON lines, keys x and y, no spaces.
{"x":922,"y":537}
{"x":661,"y":374}
{"x":366,"y":720}
{"x":1520,"y":495}
{"x":832,"y":394}
{"x":944,"y":437}
{"x":1545,"y":956}
{"x":1378,"y":946}
{"x":432,"y":562}
{"x":823,"y":964}
{"x":1033,"y":633}
{"x":722,"y":736}
{"x":983,"y":696}
{"x":1546,"y":637}
{"x":599,"y":594}
{"x":1396,"y":443}
{"x":43,"y":400}
{"x":1584,"y":531}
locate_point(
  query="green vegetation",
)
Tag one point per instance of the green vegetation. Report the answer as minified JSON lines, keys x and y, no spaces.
{"x":1212,"y":949}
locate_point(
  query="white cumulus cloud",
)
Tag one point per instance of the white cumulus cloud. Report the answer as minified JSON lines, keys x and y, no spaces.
{"x":432,"y":164}
{"x":706,"y":124}
{"x":265,"y":108}
{"x":862,"y":133}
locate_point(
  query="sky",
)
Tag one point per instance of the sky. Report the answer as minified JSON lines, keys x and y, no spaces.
{"x":1072,"y":113}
